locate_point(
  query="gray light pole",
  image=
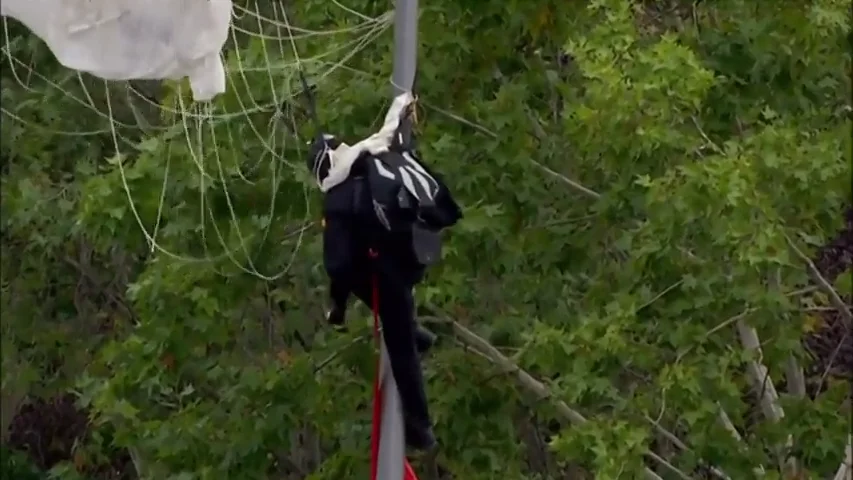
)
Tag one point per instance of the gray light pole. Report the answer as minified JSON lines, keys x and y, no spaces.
{"x":392,"y":450}
{"x":405,"y":44}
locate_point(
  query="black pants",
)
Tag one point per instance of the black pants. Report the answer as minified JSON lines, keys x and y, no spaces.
{"x":397,"y":316}
{"x":351,"y":231}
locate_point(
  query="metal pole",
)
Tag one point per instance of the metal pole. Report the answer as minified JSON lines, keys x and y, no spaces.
{"x":405,"y":45}
{"x":392,"y":453}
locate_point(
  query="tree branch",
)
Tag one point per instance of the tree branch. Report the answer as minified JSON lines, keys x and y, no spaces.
{"x":540,"y":135}
{"x":480,"y":128}
{"x":845,"y":470}
{"x":681,"y":445}
{"x":796,"y":384}
{"x":758,"y":373}
{"x":575,"y":185}
{"x":823,"y":283}
{"x":759,"y":377}
{"x":726,"y":422}
{"x":535,"y":386}
{"x":481,"y":347}
{"x":795,"y":378}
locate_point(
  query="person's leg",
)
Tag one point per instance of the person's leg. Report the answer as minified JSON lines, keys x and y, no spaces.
{"x":396,"y":311}
{"x":338,"y":261}
{"x":424,"y":339}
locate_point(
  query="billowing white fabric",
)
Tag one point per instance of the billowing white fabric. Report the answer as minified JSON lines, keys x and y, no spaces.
{"x":134,"y":39}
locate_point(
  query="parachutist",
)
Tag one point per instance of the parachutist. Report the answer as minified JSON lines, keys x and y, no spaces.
{"x":351,"y":234}
{"x":383,"y":211}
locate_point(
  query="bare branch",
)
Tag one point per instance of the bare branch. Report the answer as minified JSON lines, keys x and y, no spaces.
{"x":759,"y":377}
{"x":796,"y":384}
{"x":540,"y":135}
{"x":795,"y":378}
{"x":758,"y":373}
{"x":831,"y":361}
{"x":681,"y":445}
{"x":484,"y":349}
{"x":726,"y":422}
{"x":707,"y":139}
{"x":823,"y":283}
{"x":845,"y":470}
{"x":729,"y":321}
{"x":536,"y":387}
{"x":323,"y":364}
{"x":575,"y":185}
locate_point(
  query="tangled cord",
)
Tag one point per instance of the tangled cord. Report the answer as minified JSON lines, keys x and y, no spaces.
{"x":201,"y":125}
{"x":197,"y":127}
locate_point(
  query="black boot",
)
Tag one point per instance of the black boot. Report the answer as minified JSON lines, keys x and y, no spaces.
{"x":419,"y":437}
{"x":424,"y":339}
{"x":337,"y":318}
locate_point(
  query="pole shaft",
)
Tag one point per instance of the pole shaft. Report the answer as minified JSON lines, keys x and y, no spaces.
{"x":405,"y":45}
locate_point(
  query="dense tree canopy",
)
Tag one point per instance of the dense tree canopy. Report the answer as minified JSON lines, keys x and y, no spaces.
{"x":649,"y":281}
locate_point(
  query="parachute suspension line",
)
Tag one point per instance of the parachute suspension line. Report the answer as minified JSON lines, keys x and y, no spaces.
{"x":305,"y":196}
{"x":375,"y":25}
{"x":91,"y":105}
{"x":198,"y":159}
{"x":152,"y":243}
{"x":201,"y":116}
{"x":162,"y":200}
{"x":237,"y":167}
{"x":428,"y":105}
{"x":88,"y":103}
{"x":369,"y":23}
{"x":376,"y":28}
{"x":307,"y":92}
{"x":279,"y":7}
{"x":205,"y":116}
{"x":270,"y":147}
{"x":9,"y":56}
{"x":248,"y":88}
{"x":273,"y":165}
{"x":298,"y":61}
{"x":233,"y":221}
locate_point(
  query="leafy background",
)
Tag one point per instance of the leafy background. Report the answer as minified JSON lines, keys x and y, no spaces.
{"x":652,"y":279}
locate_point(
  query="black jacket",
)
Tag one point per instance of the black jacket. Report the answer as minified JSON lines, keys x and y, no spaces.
{"x":351,"y":231}
{"x":390,"y":203}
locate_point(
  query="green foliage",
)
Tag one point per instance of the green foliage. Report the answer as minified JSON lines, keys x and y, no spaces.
{"x":709,"y":140}
{"x":16,"y":465}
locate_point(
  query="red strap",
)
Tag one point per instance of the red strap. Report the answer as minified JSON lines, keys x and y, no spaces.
{"x":377,"y":390}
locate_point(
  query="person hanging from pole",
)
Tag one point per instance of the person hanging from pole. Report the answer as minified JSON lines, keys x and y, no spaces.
{"x":383,"y":211}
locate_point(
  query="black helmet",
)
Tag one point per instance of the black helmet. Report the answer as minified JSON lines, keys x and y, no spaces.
{"x":319,"y":161}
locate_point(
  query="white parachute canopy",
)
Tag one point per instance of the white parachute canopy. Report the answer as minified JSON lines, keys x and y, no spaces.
{"x":134,"y":39}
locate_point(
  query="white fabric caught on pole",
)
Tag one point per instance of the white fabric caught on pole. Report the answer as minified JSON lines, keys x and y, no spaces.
{"x":345,"y":155}
{"x":133,"y":39}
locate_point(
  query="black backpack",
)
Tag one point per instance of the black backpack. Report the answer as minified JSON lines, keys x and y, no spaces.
{"x":407,"y":196}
